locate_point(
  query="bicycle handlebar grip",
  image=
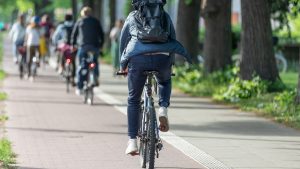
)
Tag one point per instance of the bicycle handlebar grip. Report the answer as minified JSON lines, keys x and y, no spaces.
{"x":121,"y":73}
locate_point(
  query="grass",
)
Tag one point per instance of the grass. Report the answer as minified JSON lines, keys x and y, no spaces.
{"x":290,"y":79}
{"x":2,"y":75}
{"x":7,"y":156}
{"x":107,"y":57}
{"x":277,"y":102}
{"x":3,"y":118}
{"x":3,"y":96}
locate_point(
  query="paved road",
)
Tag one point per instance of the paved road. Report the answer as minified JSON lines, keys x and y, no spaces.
{"x":52,"y":129}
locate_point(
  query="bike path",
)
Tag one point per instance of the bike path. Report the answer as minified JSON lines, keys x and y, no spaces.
{"x":51,"y":129}
{"x":217,"y":133}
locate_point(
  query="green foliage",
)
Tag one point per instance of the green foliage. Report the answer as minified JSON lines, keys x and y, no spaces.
{"x":24,"y":5}
{"x":127,"y":7}
{"x":290,"y":79}
{"x":242,"y":89}
{"x":189,"y":2}
{"x":107,"y":57}
{"x":281,"y":10}
{"x":3,"y":118}
{"x":193,"y":81}
{"x":284,"y":110}
{"x":3,"y":96}
{"x":7,"y":156}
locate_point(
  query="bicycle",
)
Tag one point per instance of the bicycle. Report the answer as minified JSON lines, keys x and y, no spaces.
{"x":148,"y":135}
{"x":69,"y":68}
{"x":91,"y":80}
{"x":22,"y":61}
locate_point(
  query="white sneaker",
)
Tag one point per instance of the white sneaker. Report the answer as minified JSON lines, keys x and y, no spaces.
{"x":132,"y":147}
{"x":78,"y":92}
{"x":15,"y":60}
{"x":31,"y":79}
{"x":163,"y":119}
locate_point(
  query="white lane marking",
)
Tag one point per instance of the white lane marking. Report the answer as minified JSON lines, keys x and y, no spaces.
{"x":182,"y":145}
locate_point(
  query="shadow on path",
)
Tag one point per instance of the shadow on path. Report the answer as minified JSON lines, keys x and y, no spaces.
{"x":248,"y":128}
{"x":65,"y":131}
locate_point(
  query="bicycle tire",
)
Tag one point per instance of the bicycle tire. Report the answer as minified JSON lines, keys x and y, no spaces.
{"x":67,"y":74}
{"x":21,"y":70}
{"x":143,"y":144}
{"x":85,"y":95}
{"x":152,"y":138}
{"x":91,"y":96}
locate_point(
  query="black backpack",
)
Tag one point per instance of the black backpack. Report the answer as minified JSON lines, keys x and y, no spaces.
{"x":151,"y":21}
{"x":67,"y":33}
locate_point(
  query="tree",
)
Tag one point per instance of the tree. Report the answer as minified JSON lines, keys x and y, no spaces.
{"x":112,"y":12}
{"x":257,"y":56}
{"x":128,"y":7}
{"x":187,"y":27}
{"x":89,"y":3}
{"x":281,"y":10}
{"x":297,"y":98}
{"x":217,"y":46}
{"x":74,"y":9}
{"x":98,"y":9}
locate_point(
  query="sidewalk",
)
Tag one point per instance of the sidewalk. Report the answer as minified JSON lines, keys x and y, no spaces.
{"x":52,"y":129}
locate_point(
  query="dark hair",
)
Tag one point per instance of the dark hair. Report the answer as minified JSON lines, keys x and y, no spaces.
{"x":68,"y":17}
{"x":136,"y":3}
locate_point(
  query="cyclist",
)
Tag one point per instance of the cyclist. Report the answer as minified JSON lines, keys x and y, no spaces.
{"x":114,"y":37}
{"x":88,"y":35}
{"x":62,"y":39}
{"x":17,"y":34}
{"x":32,"y":41}
{"x":138,"y":56}
{"x":46,"y":28}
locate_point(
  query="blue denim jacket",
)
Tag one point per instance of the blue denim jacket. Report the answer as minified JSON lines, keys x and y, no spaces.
{"x":131,"y":46}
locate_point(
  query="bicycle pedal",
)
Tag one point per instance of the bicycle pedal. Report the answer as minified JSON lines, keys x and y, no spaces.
{"x":159,"y":146}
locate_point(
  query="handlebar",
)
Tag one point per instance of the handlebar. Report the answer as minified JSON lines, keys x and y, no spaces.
{"x":125,"y":74}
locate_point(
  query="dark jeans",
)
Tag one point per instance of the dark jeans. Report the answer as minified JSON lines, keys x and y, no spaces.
{"x":136,"y":80}
{"x":83,"y":64}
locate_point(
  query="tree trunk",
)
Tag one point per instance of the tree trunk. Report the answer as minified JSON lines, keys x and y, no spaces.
{"x":98,"y":9}
{"x":112,"y":20}
{"x":112,"y":13}
{"x":297,"y":99}
{"x":74,"y":9}
{"x":187,"y":28}
{"x":89,"y":3}
{"x":217,"y":43}
{"x":257,"y":56}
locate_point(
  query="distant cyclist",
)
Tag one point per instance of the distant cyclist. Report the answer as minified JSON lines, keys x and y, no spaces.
{"x":62,"y":39}
{"x":115,"y":38}
{"x":147,"y":43}
{"x":32,"y":42}
{"x":88,"y":35}
{"x":17,"y":34}
{"x":46,"y":29}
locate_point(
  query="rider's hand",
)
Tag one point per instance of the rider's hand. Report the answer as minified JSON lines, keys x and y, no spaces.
{"x":74,"y":49}
{"x":124,"y":71}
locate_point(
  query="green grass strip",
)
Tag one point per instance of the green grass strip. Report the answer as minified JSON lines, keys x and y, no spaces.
{"x":7,"y":157}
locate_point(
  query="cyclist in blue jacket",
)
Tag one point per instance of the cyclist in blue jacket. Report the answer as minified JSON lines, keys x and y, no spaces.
{"x":137,"y":57}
